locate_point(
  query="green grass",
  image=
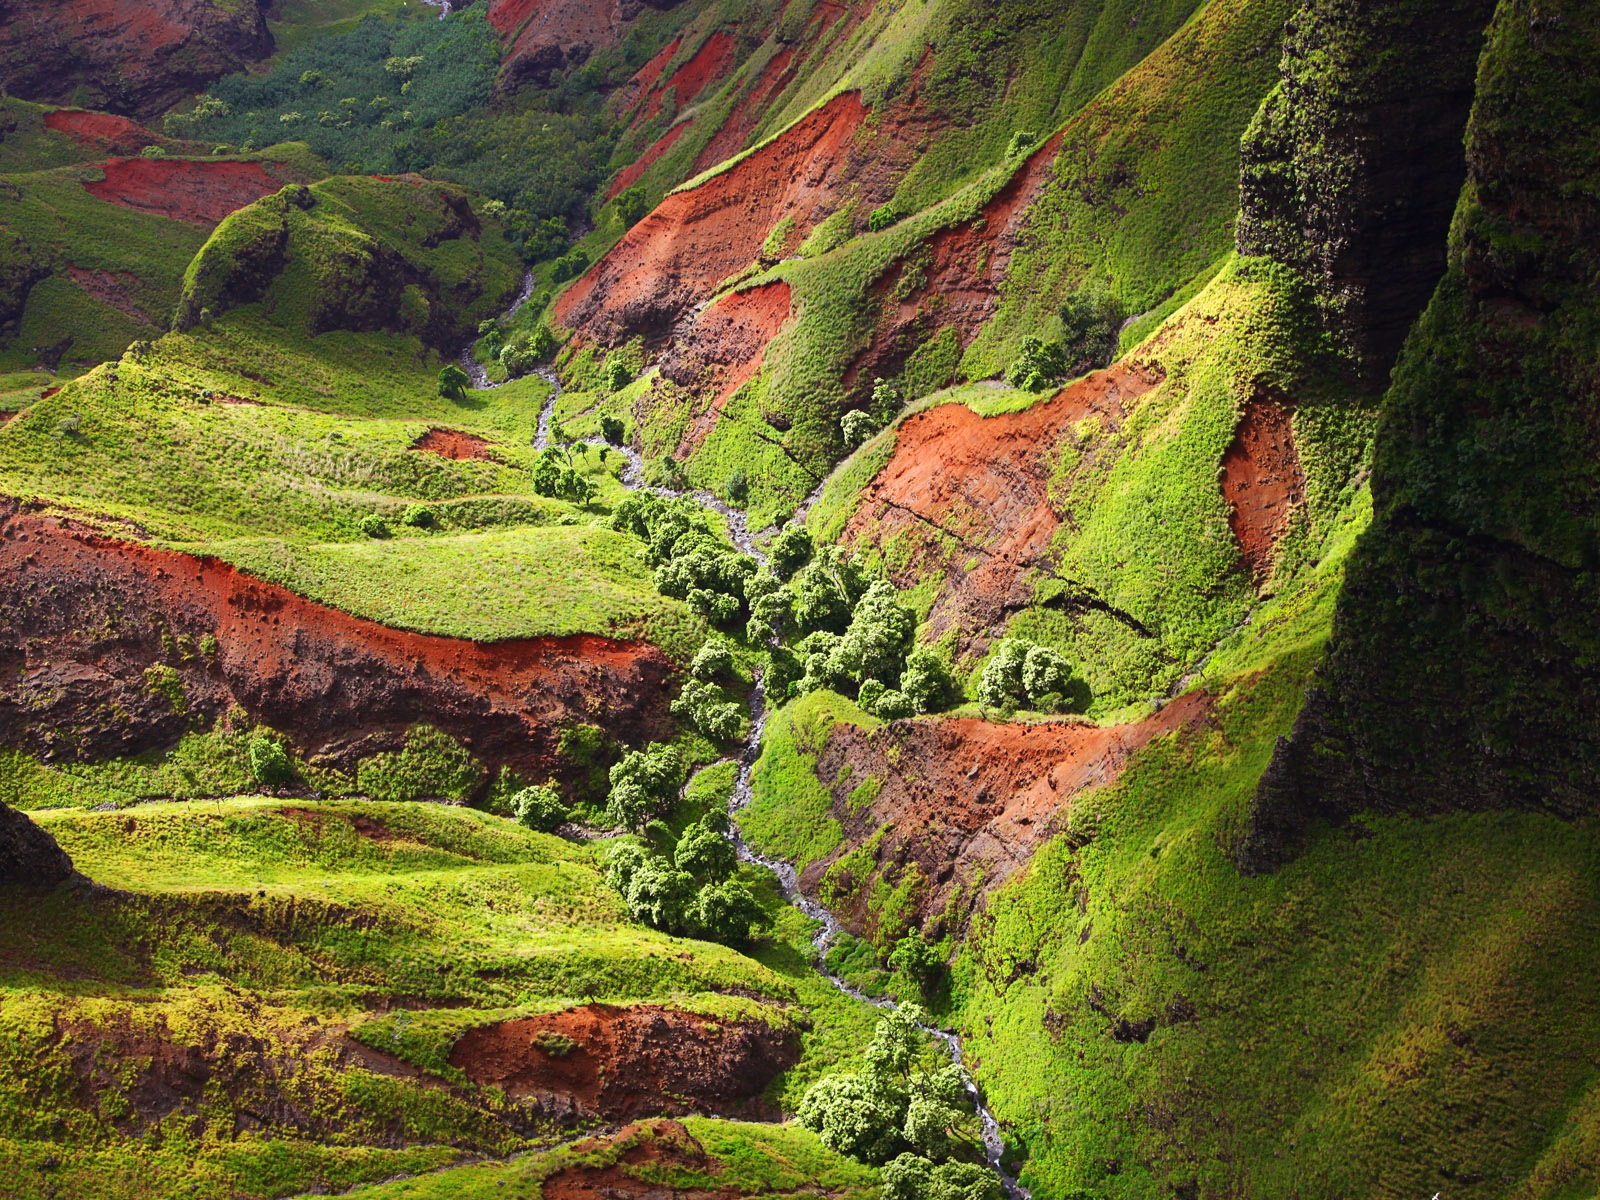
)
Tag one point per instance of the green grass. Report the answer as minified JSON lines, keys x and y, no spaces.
{"x":745,"y":1158}
{"x":789,"y":814}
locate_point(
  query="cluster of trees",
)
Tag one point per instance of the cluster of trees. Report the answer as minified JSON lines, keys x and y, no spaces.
{"x":692,"y":892}
{"x":910,"y":1109}
{"x":703,"y":701}
{"x":692,"y":563}
{"x":1022,"y":674}
{"x":858,"y":425}
{"x":1090,"y":322}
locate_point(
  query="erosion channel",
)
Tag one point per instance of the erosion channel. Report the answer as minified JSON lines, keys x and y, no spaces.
{"x":828,"y":928}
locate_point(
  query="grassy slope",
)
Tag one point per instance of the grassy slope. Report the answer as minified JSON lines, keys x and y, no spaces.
{"x":257,"y":924}
{"x":1390,"y":1015}
{"x":279,"y":486}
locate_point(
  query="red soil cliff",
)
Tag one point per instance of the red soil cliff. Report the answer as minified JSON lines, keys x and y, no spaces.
{"x":83,"y":617}
{"x":201,"y":193}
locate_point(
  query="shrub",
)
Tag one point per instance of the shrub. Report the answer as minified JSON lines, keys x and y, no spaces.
{"x":569,"y":266}
{"x":1090,"y":321}
{"x":727,"y":912}
{"x":856,"y":427}
{"x":431,"y":765}
{"x":611,"y":429}
{"x":420,"y":516}
{"x":374,"y":526}
{"x":453,"y":382}
{"x":269,"y":761}
{"x":556,"y":1045}
{"x":539,"y":808}
{"x":882,"y":217}
{"x":737,"y":487}
{"x":615,"y":376}
{"x":1021,"y":142}
{"x":886,"y":400}
{"x":1038,"y":365}
{"x":643,"y":784}
{"x":851,"y":1114}
{"x":630,"y":205}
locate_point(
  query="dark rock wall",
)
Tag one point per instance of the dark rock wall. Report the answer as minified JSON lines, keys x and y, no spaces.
{"x":1352,"y":166}
{"x":1464,"y":671}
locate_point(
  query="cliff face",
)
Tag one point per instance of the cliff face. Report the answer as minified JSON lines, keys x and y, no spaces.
{"x":1468,"y":626}
{"x":542,"y":36}
{"x":1352,"y":166}
{"x":126,"y":56}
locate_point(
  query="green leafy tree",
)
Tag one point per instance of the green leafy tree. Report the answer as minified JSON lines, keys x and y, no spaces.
{"x":727,"y":912}
{"x":643,"y":784}
{"x":878,"y":638}
{"x":714,"y":660}
{"x":611,"y":429}
{"x":269,"y":761}
{"x":790,"y":550}
{"x":539,"y":808}
{"x":630,"y":205}
{"x":1038,"y":365}
{"x":662,"y":896}
{"x":705,"y":852}
{"x":925,"y":682}
{"x":1090,"y":321}
{"x":856,"y":427}
{"x":852,"y":1114}
{"x":453,"y":382}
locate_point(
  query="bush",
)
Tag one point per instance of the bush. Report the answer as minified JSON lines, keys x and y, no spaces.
{"x":539,"y":808}
{"x":612,"y":430}
{"x":569,"y":266}
{"x":615,"y":375}
{"x":737,"y":487}
{"x":643,"y":784}
{"x":856,"y":427}
{"x":374,"y":526}
{"x":912,"y":1177}
{"x":269,"y":761}
{"x":727,"y":912}
{"x":432,"y":765}
{"x":453,"y":382}
{"x":1091,"y":320}
{"x":886,"y":400}
{"x":1038,"y":365}
{"x":882,"y":217}
{"x":1021,"y":142}
{"x":630,"y":205}
{"x":420,"y":516}
{"x":705,"y":705}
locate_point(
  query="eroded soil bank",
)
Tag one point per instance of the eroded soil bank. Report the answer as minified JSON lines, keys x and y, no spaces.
{"x":622,"y":1063}
{"x":95,"y":632}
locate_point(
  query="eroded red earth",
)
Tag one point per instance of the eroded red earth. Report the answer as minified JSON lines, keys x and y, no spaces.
{"x":452,"y":443}
{"x":961,"y":487}
{"x":104,"y":130}
{"x":199,"y":192}
{"x":83,"y":617}
{"x":1262,"y":481}
{"x":962,"y":798}
{"x":600,"y":1060}
{"x":723,"y":350}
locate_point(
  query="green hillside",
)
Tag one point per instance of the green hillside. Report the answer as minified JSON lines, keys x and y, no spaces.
{"x":766,"y":597}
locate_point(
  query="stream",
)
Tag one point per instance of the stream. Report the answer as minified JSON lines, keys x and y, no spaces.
{"x":828,"y":927}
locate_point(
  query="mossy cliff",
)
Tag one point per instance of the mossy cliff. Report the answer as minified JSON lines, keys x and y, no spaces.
{"x":1465,"y":667}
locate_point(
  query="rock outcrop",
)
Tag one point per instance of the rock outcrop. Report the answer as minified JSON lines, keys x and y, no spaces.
{"x":28,"y":855}
{"x":134,"y":57}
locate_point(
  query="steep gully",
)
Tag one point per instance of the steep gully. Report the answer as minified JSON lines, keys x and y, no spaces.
{"x":632,"y":477}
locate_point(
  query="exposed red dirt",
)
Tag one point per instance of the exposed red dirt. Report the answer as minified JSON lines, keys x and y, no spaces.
{"x":986,"y":481}
{"x":628,"y":1062}
{"x":652,"y":1156}
{"x":723,"y":350}
{"x":631,"y":174}
{"x":116,"y":135}
{"x":711,"y":62}
{"x":82,"y":618}
{"x":746,"y":115}
{"x":201,"y":193}
{"x":675,"y":257}
{"x":1262,"y":480}
{"x":137,"y":57}
{"x":651,"y":71}
{"x":452,"y":443}
{"x":962,"y":797}
{"x":543,"y":36}
{"x":116,"y":288}
{"x":961,"y":269}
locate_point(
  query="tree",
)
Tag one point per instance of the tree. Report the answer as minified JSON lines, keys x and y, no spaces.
{"x":916,"y":960}
{"x":878,"y":638}
{"x":925,"y":682}
{"x":705,"y":852}
{"x":714,"y":660}
{"x":790,"y":550}
{"x":1038,"y":365}
{"x":615,"y":375}
{"x":826,"y":589}
{"x":661,"y":896}
{"x":1000,"y":685}
{"x":643,"y":784}
{"x":1090,"y":321}
{"x":853,"y":1115}
{"x":727,"y":911}
{"x":539,"y":808}
{"x":856,"y":427}
{"x":269,"y":761}
{"x":453,"y":382}
{"x":630,"y":205}
{"x":611,"y":429}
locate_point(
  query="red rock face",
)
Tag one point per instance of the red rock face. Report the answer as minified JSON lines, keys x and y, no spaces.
{"x":541,"y":36}
{"x":1261,"y":479}
{"x":628,"y":1062}
{"x":201,"y":193}
{"x":134,"y":57}
{"x":339,"y":685}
